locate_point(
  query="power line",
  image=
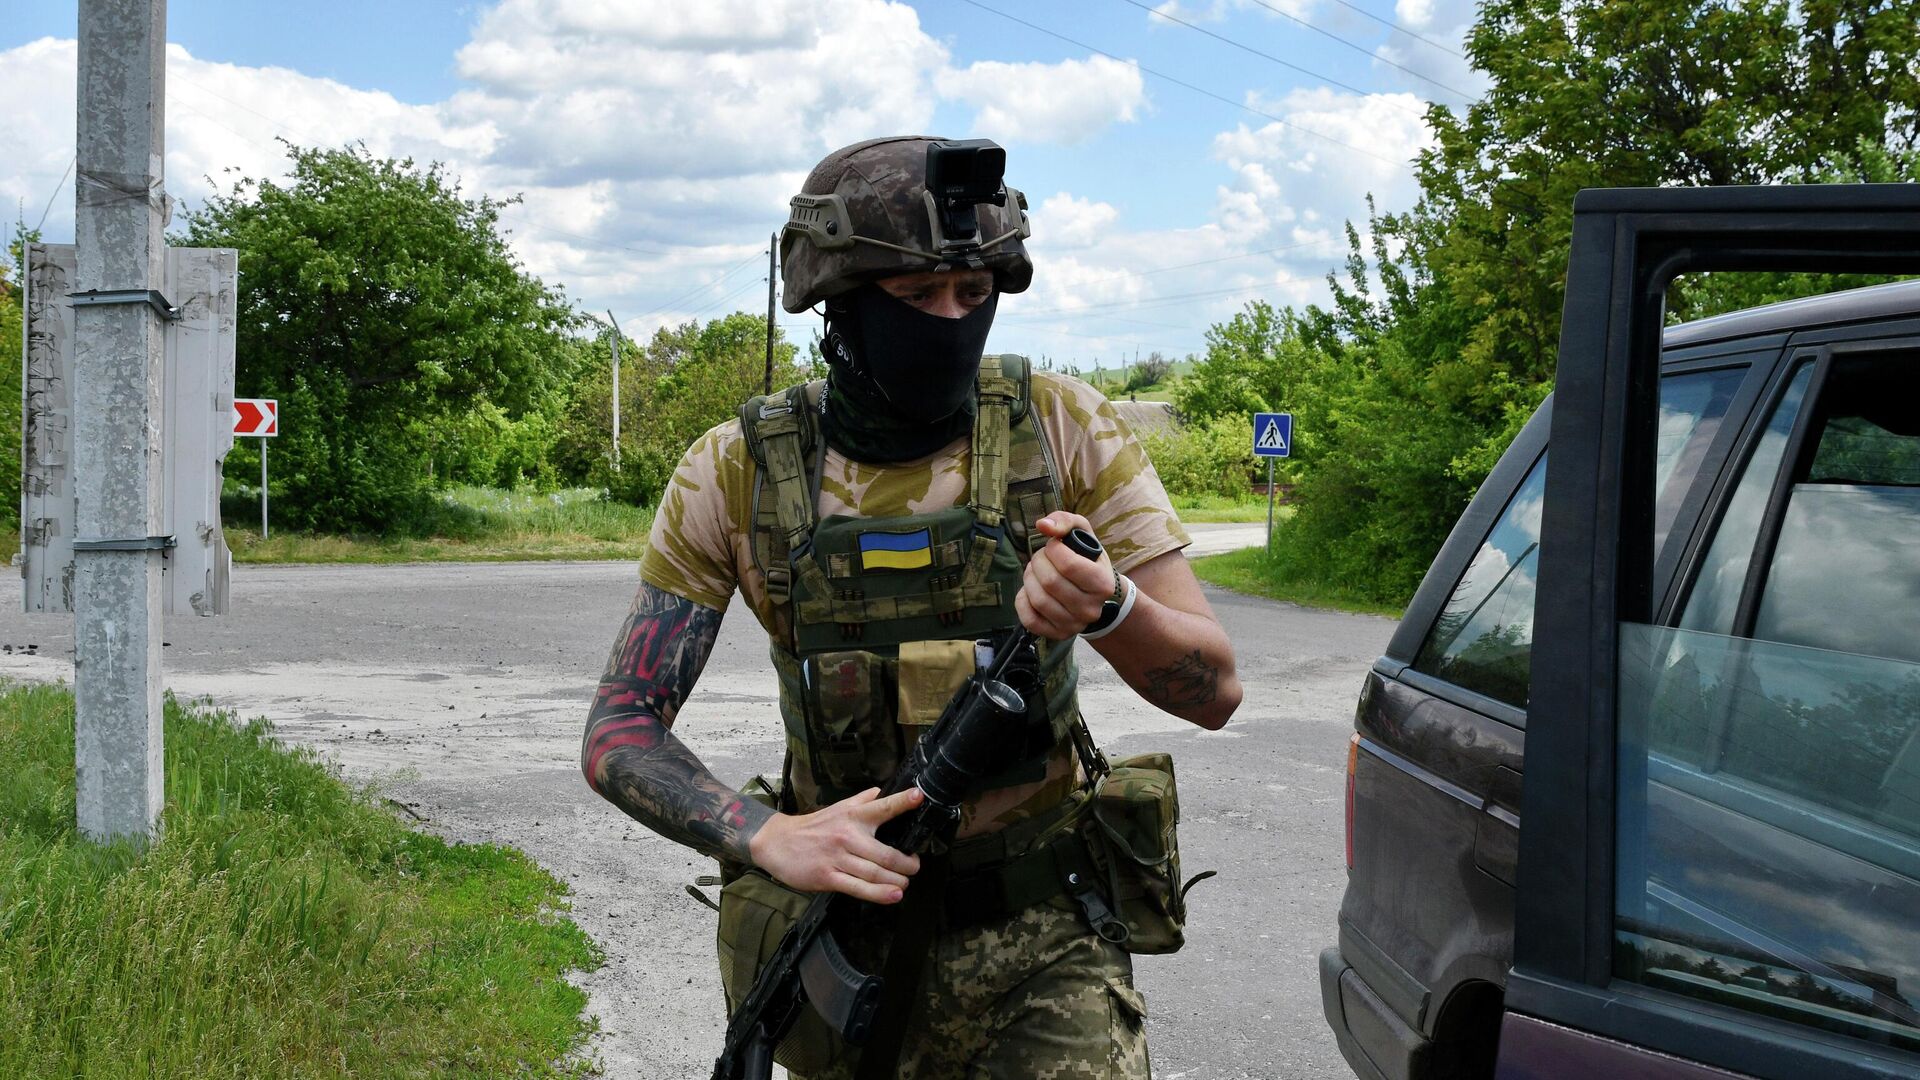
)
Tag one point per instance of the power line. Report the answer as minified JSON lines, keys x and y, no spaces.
{"x":524,"y":225}
{"x":1152,"y":302}
{"x":1016,"y":316}
{"x":307,"y":136}
{"x":56,"y":192}
{"x":703,"y":286}
{"x":1243,"y":47}
{"x":1362,"y":49}
{"x":1396,"y":26}
{"x":1204,"y":262}
{"x":723,"y":300}
{"x":1282,"y":121}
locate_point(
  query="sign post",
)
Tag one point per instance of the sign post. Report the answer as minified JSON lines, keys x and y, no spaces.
{"x":1272,"y":438}
{"x":196,"y":430}
{"x":258,"y":417}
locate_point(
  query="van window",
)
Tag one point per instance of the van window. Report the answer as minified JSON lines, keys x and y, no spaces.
{"x":1845,"y":572}
{"x":1768,"y":842}
{"x":1483,"y":639}
{"x":1716,"y":588}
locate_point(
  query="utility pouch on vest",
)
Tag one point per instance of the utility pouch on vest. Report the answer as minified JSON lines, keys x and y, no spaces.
{"x":851,"y":737}
{"x":755,"y":911}
{"x":1136,"y":812}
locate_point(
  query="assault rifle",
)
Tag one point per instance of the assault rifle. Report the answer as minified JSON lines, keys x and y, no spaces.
{"x":964,"y":747}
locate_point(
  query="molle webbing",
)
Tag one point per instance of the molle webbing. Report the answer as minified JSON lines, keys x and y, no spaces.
{"x":847,"y":592}
{"x":1012,"y":484}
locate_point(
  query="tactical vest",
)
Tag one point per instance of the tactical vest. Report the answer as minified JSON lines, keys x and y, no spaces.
{"x":874,"y":619}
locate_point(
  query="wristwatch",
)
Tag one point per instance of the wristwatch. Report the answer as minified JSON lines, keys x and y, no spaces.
{"x":1114,"y":609}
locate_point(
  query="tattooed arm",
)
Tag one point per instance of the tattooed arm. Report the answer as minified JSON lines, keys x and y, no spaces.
{"x":1171,"y":649}
{"x":630,"y":754}
{"x":631,"y":757}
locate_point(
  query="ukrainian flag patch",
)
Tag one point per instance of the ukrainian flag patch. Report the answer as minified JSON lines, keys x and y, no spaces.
{"x":896,"y":551}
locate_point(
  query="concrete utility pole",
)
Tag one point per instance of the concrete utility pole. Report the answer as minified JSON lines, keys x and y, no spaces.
{"x":120,"y":341}
{"x":615,"y":323}
{"x":773,"y":243}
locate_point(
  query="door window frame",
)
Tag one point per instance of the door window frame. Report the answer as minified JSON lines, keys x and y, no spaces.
{"x":1597,"y":569}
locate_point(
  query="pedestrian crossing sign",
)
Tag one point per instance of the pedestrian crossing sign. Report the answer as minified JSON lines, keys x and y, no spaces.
{"x":1273,"y":434}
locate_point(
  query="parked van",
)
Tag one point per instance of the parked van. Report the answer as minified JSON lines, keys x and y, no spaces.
{"x":1635,"y":789}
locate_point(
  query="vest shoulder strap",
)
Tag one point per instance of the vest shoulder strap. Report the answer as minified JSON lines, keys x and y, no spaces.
{"x":783,"y":435}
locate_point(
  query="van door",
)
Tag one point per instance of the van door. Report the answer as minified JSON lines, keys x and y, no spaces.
{"x":1720,"y":868}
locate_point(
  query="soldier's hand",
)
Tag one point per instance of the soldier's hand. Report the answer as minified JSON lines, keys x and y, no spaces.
{"x":833,"y":849}
{"x":1063,"y":591}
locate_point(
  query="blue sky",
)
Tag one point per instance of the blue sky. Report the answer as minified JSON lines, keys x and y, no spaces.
{"x":656,"y":143}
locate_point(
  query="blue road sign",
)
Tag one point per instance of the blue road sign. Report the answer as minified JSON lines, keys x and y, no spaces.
{"x":1273,"y":434}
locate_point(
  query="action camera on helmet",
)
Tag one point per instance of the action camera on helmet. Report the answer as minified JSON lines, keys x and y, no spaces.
{"x":903,"y":205}
{"x":960,"y":176}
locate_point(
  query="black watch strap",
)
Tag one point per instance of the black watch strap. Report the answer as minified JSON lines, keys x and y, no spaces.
{"x":1110,"y":608}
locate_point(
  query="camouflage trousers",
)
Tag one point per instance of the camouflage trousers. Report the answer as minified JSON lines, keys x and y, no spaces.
{"x":1033,"y":996}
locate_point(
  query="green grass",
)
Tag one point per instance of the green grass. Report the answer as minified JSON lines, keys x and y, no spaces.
{"x":1195,"y":509}
{"x":286,"y":925}
{"x":1253,"y":570}
{"x":474,"y":524}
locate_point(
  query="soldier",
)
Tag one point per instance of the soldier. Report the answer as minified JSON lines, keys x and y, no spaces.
{"x":877,"y":525}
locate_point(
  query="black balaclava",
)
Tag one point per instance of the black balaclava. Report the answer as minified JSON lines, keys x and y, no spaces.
{"x":900,"y":382}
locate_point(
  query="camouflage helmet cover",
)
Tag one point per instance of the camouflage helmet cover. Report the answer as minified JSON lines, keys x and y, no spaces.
{"x":863,"y":204}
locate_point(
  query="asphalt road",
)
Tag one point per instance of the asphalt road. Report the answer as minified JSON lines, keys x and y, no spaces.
{"x":460,"y":690}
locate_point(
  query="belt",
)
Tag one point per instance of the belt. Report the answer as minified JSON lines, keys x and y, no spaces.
{"x":987,"y":884}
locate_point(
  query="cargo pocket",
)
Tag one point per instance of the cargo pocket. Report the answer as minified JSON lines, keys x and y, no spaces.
{"x":930,"y":672}
{"x":851,"y":740}
{"x":1127,"y":1013}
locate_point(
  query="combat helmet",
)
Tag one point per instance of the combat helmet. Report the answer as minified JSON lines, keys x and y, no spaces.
{"x":867,"y":211}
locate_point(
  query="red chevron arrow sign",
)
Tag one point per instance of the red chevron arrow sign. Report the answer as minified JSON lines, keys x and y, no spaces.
{"x":256,"y":416}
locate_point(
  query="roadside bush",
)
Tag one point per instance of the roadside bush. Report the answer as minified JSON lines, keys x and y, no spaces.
{"x":1210,"y":457}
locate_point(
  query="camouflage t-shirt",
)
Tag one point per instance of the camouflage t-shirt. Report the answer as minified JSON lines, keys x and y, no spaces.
{"x":701,"y":547}
{"x":702,"y":542}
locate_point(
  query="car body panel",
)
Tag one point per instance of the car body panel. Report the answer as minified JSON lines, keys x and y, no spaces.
{"x":1536,"y":1050}
{"x":1438,"y":781}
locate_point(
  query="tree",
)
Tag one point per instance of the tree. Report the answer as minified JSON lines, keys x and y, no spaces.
{"x":687,"y":379}
{"x":1442,"y":333}
{"x":384,"y":310}
{"x":1243,"y":370}
{"x":1147,"y":373}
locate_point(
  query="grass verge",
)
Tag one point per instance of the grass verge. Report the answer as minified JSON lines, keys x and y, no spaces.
{"x":286,"y":925}
{"x":1201,"y":509}
{"x":1254,"y":570}
{"x":473,"y":525}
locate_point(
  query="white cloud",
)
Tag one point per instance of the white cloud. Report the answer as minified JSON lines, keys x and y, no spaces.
{"x":1066,"y":102}
{"x":589,"y":90}
{"x":1334,"y":147}
{"x":1414,"y":13}
{"x":656,"y":146}
{"x":220,"y":117}
{"x":1073,"y":222}
{"x":1436,"y":22}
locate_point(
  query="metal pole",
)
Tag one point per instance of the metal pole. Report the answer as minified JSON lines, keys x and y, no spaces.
{"x":263,"y":487}
{"x":1269,"y":502}
{"x":773,"y":242}
{"x":119,"y":349}
{"x":615,"y":343}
